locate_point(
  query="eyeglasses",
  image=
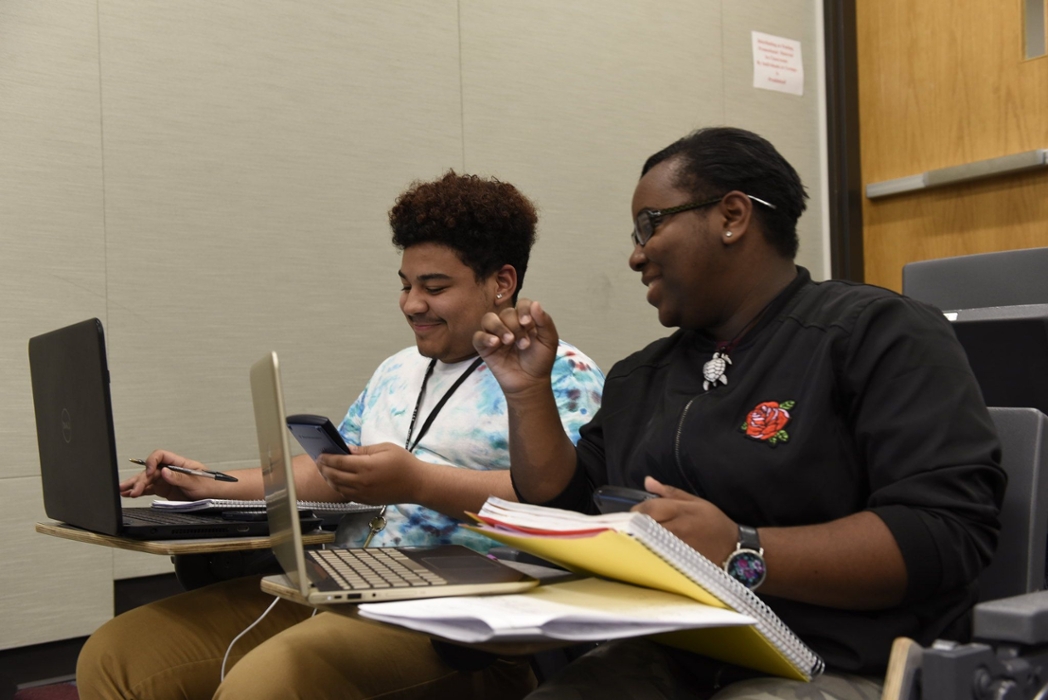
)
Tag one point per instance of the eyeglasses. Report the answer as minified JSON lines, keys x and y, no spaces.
{"x":649,"y":219}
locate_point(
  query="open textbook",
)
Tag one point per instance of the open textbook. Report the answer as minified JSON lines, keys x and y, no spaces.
{"x":220,"y":504}
{"x":584,"y":610}
{"x":632,"y":547}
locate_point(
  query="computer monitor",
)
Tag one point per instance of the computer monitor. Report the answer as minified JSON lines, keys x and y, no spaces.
{"x":1007,"y":348}
{"x":1004,"y":278}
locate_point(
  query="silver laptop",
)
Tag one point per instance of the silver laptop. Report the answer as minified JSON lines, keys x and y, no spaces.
{"x":342,"y":575}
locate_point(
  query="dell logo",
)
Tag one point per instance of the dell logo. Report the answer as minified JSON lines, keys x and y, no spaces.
{"x":67,"y":425}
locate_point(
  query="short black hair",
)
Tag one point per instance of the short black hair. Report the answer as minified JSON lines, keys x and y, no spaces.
{"x":717,"y":160}
{"x":488,"y":223}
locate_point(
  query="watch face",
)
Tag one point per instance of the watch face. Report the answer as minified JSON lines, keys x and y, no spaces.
{"x":747,"y":567}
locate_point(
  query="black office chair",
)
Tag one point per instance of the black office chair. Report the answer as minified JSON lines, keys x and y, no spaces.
{"x":1008,"y":278}
{"x":1010,"y":624}
{"x":1018,"y":566}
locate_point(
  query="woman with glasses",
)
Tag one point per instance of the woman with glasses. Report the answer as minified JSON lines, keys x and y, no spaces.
{"x":811,"y":437}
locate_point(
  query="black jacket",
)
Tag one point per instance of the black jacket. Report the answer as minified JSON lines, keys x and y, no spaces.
{"x":843,"y":398}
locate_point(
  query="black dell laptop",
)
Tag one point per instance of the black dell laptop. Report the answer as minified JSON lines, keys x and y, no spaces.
{"x":78,"y":459}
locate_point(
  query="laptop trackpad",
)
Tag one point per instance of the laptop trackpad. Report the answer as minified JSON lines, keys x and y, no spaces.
{"x":458,"y":563}
{"x":469,"y":568}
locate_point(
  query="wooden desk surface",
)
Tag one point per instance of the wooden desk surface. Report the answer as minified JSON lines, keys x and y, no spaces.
{"x":207,"y":545}
{"x":280,"y":586}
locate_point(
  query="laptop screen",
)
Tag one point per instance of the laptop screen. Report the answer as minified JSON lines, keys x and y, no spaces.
{"x":74,"y":427}
{"x":277,"y":474}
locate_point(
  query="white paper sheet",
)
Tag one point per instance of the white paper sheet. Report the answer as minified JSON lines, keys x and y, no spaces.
{"x":585,"y":610}
{"x":777,"y":64}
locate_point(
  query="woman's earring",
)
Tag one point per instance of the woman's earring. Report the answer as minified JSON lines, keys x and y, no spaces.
{"x":727,"y":234}
{"x":498,"y":296}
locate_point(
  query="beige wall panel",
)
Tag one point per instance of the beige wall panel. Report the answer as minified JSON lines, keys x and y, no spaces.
{"x":567,"y":100}
{"x":251,"y":156}
{"x":52,"y":273}
{"x":790,"y":122}
{"x":49,"y":588}
{"x":940,"y":84}
{"x":52,"y":269}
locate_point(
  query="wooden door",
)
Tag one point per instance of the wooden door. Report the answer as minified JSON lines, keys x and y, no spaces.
{"x":944,"y":83}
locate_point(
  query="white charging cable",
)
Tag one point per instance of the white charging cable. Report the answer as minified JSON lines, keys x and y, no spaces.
{"x":222,"y":675}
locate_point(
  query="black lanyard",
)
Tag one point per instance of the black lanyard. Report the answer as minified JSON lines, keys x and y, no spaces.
{"x":408,"y":445}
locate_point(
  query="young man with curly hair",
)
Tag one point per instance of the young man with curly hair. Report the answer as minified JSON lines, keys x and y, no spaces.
{"x":465,"y":242}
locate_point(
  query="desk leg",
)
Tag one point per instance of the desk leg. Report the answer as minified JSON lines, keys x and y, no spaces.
{"x":199,"y":570}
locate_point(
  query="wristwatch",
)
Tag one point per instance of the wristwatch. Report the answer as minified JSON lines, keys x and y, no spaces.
{"x":746,"y":563}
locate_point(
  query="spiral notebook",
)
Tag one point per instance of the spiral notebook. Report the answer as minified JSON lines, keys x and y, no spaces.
{"x":632,"y":547}
{"x":223,"y":504}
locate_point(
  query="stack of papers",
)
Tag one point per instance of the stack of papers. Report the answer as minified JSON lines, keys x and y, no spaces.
{"x":522,"y":517}
{"x":632,"y":548}
{"x":590,"y":609}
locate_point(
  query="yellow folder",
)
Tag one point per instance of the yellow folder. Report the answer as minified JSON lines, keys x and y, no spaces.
{"x":769,"y":647}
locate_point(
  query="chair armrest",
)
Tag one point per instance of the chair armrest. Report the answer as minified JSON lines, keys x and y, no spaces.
{"x":1021,"y":619}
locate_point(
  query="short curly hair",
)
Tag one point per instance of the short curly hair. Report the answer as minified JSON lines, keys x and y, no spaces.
{"x":487,"y":222}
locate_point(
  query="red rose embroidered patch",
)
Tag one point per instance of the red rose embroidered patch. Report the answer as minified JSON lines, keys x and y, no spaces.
{"x":767,"y":420}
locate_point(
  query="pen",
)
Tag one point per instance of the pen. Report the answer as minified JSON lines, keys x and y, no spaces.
{"x":217,"y":476}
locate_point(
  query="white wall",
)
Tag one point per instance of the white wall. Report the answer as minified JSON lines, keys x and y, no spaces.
{"x":211,"y":179}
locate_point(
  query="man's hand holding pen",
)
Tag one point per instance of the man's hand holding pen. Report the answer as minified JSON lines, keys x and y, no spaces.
{"x":205,"y":473}
{"x":174,"y":477}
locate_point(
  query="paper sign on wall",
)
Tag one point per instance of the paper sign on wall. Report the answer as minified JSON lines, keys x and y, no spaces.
{"x":777,"y":64}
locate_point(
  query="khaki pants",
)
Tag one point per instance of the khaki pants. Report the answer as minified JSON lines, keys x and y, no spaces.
{"x":174,"y":648}
{"x":638,"y":668}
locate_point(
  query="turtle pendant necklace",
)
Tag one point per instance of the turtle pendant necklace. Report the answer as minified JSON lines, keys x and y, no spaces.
{"x":716,"y":368}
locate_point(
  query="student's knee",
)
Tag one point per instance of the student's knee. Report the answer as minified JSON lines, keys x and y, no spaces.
{"x":274,"y":670}
{"x":330,"y":656}
{"x":100,"y":669}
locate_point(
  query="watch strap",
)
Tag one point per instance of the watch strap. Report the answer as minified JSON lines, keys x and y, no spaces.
{"x":749,"y":539}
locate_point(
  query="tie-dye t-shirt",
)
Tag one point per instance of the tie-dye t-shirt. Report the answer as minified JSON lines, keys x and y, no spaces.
{"x":469,"y":432}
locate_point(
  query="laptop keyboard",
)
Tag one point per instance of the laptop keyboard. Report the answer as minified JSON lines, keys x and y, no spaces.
{"x":374,"y":567}
{"x":147,"y":516}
